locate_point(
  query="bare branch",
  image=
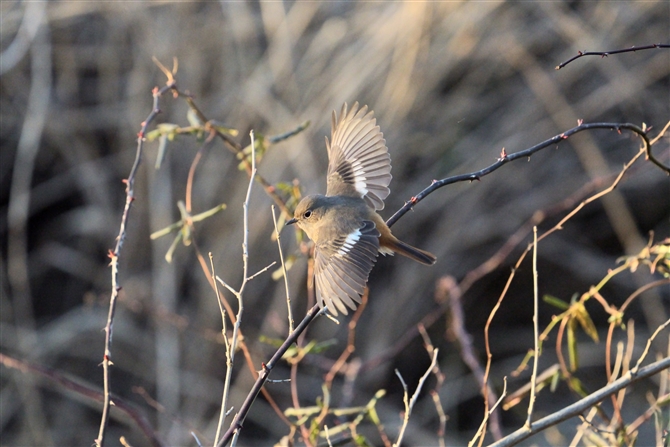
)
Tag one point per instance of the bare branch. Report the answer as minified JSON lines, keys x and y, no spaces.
{"x":410,"y":405}
{"x":238,"y":422}
{"x":536,"y":335}
{"x":582,"y":405}
{"x":114,"y":256}
{"x":607,"y":53}
{"x":505,"y":158}
{"x":283,"y":269}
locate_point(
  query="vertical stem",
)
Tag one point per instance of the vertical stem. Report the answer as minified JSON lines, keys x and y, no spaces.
{"x":114,"y":256}
{"x":283,"y":268}
{"x":239,"y":294}
{"x":536,"y":335}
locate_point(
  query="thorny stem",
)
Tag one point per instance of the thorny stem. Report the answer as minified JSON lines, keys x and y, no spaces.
{"x":607,"y":53}
{"x":505,"y":158}
{"x":114,"y":256}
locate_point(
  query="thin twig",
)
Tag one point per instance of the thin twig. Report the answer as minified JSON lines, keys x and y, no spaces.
{"x":487,"y":415}
{"x":582,"y":405}
{"x":646,"y":348}
{"x":410,"y":405}
{"x":536,"y":335}
{"x":261,"y":271}
{"x":245,"y":278}
{"x":114,"y":256}
{"x":283,"y":269}
{"x":428,"y":344}
{"x":607,"y":53}
{"x":441,"y":417}
{"x":229,"y":360}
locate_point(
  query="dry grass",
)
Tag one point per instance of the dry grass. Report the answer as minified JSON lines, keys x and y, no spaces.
{"x":451,"y":84}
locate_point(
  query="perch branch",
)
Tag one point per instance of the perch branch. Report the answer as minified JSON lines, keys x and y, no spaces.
{"x":607,"y":53}
{"x":238,"y":422}
{"x":505,"y":158}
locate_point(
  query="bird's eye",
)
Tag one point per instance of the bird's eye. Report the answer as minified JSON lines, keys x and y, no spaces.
{"x":307,"y":214}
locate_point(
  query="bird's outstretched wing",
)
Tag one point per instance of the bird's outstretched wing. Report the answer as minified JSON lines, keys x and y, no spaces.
{"x":342,"y":266}
{"x":359,"y":164}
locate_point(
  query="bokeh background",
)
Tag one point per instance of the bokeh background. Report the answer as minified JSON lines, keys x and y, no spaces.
{"x":451,"y":84}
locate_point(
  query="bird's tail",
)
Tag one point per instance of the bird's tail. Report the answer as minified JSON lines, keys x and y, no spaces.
{"x":398,"y":246}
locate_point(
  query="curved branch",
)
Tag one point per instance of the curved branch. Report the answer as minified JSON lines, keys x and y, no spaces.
{"x":505,"y":158}
{"x":607,"y":53}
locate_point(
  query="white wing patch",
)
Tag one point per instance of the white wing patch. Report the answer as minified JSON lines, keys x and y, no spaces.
{"x":360,"y":182}
{"x":349,"y":243}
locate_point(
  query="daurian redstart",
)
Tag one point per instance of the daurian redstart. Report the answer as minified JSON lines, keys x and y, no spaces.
{"x":344,"y":224}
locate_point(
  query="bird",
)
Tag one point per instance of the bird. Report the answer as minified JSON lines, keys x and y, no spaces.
{"x":347,"y":231}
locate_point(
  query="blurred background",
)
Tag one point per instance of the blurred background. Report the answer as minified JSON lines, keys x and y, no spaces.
{"x":451,"y":84}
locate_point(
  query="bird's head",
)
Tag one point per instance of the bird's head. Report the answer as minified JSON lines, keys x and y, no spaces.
{"x":308,"y":213}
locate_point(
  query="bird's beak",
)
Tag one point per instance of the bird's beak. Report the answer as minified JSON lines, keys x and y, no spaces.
{"x":291,"y":222}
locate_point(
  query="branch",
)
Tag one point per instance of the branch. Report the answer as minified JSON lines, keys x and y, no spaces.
{"x":582,"y":405}
{"x":409,"y":404}
{"x":114,"y":256}
{"x":607,"y":53}
{"x":232,"y":346}
{"x":505,"y":158}
{"x":536,"y":335}
{"x":238,"y":422}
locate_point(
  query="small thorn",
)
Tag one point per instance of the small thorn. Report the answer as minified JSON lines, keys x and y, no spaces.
{"x":503,"y":154}
{"x":580,"y":122}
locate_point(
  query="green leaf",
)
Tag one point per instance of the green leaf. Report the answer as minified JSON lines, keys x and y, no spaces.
{"x":223,"y":129}
{"x":572,"y":345}
{"x":556,"y":302}
{"x":586,"y":322}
